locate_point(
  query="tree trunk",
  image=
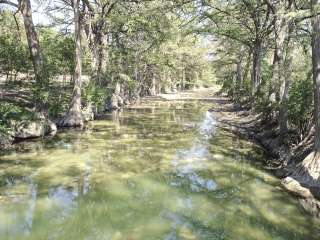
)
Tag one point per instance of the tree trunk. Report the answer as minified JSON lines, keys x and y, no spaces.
{"x":246,"y":72}
{"x":239,"y":75}
{"x":97,"y":40}
{"x":273,"y":94}
{"x":281,"y":77}
{"x":102,"y":57}
{"x":91,"y":36}
{"x":34,"y":48}
{"x":196,"y":84}
{"x":98,"y":48}
{"x":74,"y":116}
{"x":238,"y":83}
{"x":94,"y":61}
{"x":316,"y":73}
{"x":32,"y":38}
{"x":152,"y":88}
{"x":256,"y":66}
{"x":183,"y":79}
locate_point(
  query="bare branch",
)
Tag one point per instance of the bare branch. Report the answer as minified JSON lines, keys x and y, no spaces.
{"x":9,"y":3}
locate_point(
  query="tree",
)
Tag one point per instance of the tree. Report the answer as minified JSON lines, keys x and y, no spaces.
{"x":283,"y":27}
{"x":246,"y":22}
{"x":73,"y":117}
{"x":14,"y":52}
{"x":96,"y":29}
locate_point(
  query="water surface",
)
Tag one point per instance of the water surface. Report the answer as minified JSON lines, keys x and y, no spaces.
{"x":162,"y":170}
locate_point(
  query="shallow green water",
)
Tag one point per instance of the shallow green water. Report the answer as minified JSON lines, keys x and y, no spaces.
{"x":162,"y":171}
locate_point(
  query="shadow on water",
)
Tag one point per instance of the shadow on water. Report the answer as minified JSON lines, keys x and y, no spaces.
{"x":161,"y":171}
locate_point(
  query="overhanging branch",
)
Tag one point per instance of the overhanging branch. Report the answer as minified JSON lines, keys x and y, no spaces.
{"x":9,"y":3}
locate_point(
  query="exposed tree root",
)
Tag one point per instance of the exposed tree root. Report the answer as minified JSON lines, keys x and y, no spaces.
{"x":309,"y":169}
{"x":71,"y":119}
{"x":305,"y":179}
{"x":307,"y":140}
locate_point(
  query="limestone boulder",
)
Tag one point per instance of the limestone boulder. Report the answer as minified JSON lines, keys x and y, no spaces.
{"x":34,"y":129}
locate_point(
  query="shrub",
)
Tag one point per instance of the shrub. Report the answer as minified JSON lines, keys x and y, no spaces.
{"x":10,"y":113}
{"x":93,"y":93}
{"x":301,"y":104}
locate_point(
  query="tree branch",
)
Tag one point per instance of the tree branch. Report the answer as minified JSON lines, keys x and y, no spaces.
{"x":9,"y":3}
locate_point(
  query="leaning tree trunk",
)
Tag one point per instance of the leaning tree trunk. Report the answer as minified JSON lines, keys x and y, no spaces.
{"x":74,"y":118}
{"x":35,"y":51}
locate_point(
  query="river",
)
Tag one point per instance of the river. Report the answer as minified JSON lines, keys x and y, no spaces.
{"x":162,"y":170}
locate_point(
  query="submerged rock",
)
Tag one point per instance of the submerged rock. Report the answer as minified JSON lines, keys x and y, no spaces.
{"x":295,"y":187}
{"x":34,"y":129}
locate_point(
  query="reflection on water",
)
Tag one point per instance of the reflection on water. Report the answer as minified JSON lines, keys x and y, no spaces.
{"x":159,"y":171}
{"x":189,"y":161}
{"x":207,"y":128}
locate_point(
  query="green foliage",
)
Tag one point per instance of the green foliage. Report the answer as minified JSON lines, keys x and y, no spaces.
{"x":93,"y":93}
{"x":248,"y":31}
{"x":226,"y":83}
{"x":127,"y":81}
{"x":145,"y":46}
{"x":58,"y":52}
{"x":301,"y":104}
{"x":10,"y":113}
{"x":14,"y":53}
{"x":266,"y":76}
